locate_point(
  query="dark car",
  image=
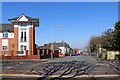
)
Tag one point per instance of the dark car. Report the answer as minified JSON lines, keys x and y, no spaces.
{"x":73,"y":54}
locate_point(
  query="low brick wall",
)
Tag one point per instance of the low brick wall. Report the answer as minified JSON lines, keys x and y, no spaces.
{"x":20,"y":57}
{"x":60,"y":54}
{"x":15,"y":57}
{"x":38,"y":56}
{"x":55,"y":54}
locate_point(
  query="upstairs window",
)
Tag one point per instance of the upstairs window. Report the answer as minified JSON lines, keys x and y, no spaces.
{"x":21,"y":36}
{"x":5,"y":34}
{"x":24,"y":36}
{"x":23,"y":24}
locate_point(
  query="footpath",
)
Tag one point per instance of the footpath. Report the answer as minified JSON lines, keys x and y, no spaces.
{"x":30,"y":60}
{"x":113,"y":64}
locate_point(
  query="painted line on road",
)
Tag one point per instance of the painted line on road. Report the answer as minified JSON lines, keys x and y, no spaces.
{"x":24,"y":75}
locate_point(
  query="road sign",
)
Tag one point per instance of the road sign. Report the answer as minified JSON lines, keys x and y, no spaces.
{"x":51,"y":46}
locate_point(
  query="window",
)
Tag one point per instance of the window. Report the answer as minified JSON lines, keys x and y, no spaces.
{"x":21,"y":36}
{"x":5,"y":48}
{"x":5,"y":34}
{"x":20,"y":52}
{"x":22,"y":47}
{"x":24,"y":36}
{"x":23,"y":24}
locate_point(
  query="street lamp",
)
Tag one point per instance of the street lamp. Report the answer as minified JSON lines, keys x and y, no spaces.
{"x":52,"y":46}
{"x":110,"y":30}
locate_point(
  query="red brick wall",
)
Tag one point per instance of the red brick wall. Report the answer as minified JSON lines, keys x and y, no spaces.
{"x":10,"y":47}
{"x":0,"y":46}
{"x":55,"y":54}
{"x":60,"y":54}
{"x":20,"y":57}
{"x":75,"y":50}
{"x":15,"y":41}
{"x":31,"y":42}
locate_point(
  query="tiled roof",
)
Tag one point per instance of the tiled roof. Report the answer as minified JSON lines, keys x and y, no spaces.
{"x":35,"y":21}
{"x":29,"y":18}
{"x":6,"y":27}
{"x":48,"y":47}
{"x":61,"y":44}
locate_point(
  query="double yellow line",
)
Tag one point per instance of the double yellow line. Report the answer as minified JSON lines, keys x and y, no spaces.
{"x":24,"y":75}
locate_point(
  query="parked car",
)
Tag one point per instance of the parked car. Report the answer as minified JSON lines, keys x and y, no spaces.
{"x":84,"y":54}
{"x":73,"y":54}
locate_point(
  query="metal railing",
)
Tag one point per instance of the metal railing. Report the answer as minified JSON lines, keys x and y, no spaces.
{"x":23,"y":39}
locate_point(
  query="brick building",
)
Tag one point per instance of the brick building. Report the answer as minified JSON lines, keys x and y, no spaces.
{"x":19,"y":36}
{"x":75,"y":50}
{"x":64,"y":48}
{"x":45,"y":51}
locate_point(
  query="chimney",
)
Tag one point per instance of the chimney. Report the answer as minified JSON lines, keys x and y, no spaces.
{"x":61,"y":41}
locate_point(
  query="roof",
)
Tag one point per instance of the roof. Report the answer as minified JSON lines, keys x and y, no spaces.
{"x":30,"y":19}
{"x":61,"y":44}
{"x":48,"y":47}
{"x":6,"y":27}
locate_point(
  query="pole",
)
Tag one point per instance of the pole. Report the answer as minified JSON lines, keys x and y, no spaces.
{"x":64,"y":48}
{"x":52,"y":46}
{"x":51,"y":41}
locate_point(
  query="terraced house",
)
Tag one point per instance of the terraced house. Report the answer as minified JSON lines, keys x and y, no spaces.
{"x":19,"y":36}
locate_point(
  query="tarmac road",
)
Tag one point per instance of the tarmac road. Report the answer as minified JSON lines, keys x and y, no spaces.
{"x":64,"y":68}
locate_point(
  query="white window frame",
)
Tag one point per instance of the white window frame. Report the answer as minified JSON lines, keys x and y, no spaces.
{"x":23,"y":46}
{"x":5,"y":34}
{"x":6,"y":49}
{"x":23,"y":24}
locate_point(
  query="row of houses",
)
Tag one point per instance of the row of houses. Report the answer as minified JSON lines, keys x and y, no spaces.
{"x":62,"y":47}
{"x":18,"y":39}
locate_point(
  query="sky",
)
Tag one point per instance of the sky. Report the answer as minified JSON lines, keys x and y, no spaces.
{"x":78,"y":20}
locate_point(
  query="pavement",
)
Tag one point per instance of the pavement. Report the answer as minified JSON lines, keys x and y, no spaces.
{"x":69,"y":67}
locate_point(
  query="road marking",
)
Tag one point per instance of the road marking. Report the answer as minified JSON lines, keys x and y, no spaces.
{"x":9,"y":67}
{"x":24,"y":75}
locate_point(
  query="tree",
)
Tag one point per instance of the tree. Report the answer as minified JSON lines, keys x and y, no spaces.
{"x":45,"y":44}
{"x":95,"y":43}
{"x":117,"y":36}
{"x":107,"y":41}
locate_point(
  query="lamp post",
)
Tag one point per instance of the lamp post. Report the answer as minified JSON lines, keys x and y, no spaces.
{"x":52,"y":46}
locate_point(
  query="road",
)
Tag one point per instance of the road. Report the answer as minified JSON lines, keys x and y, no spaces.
{"x":70,"y":66}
